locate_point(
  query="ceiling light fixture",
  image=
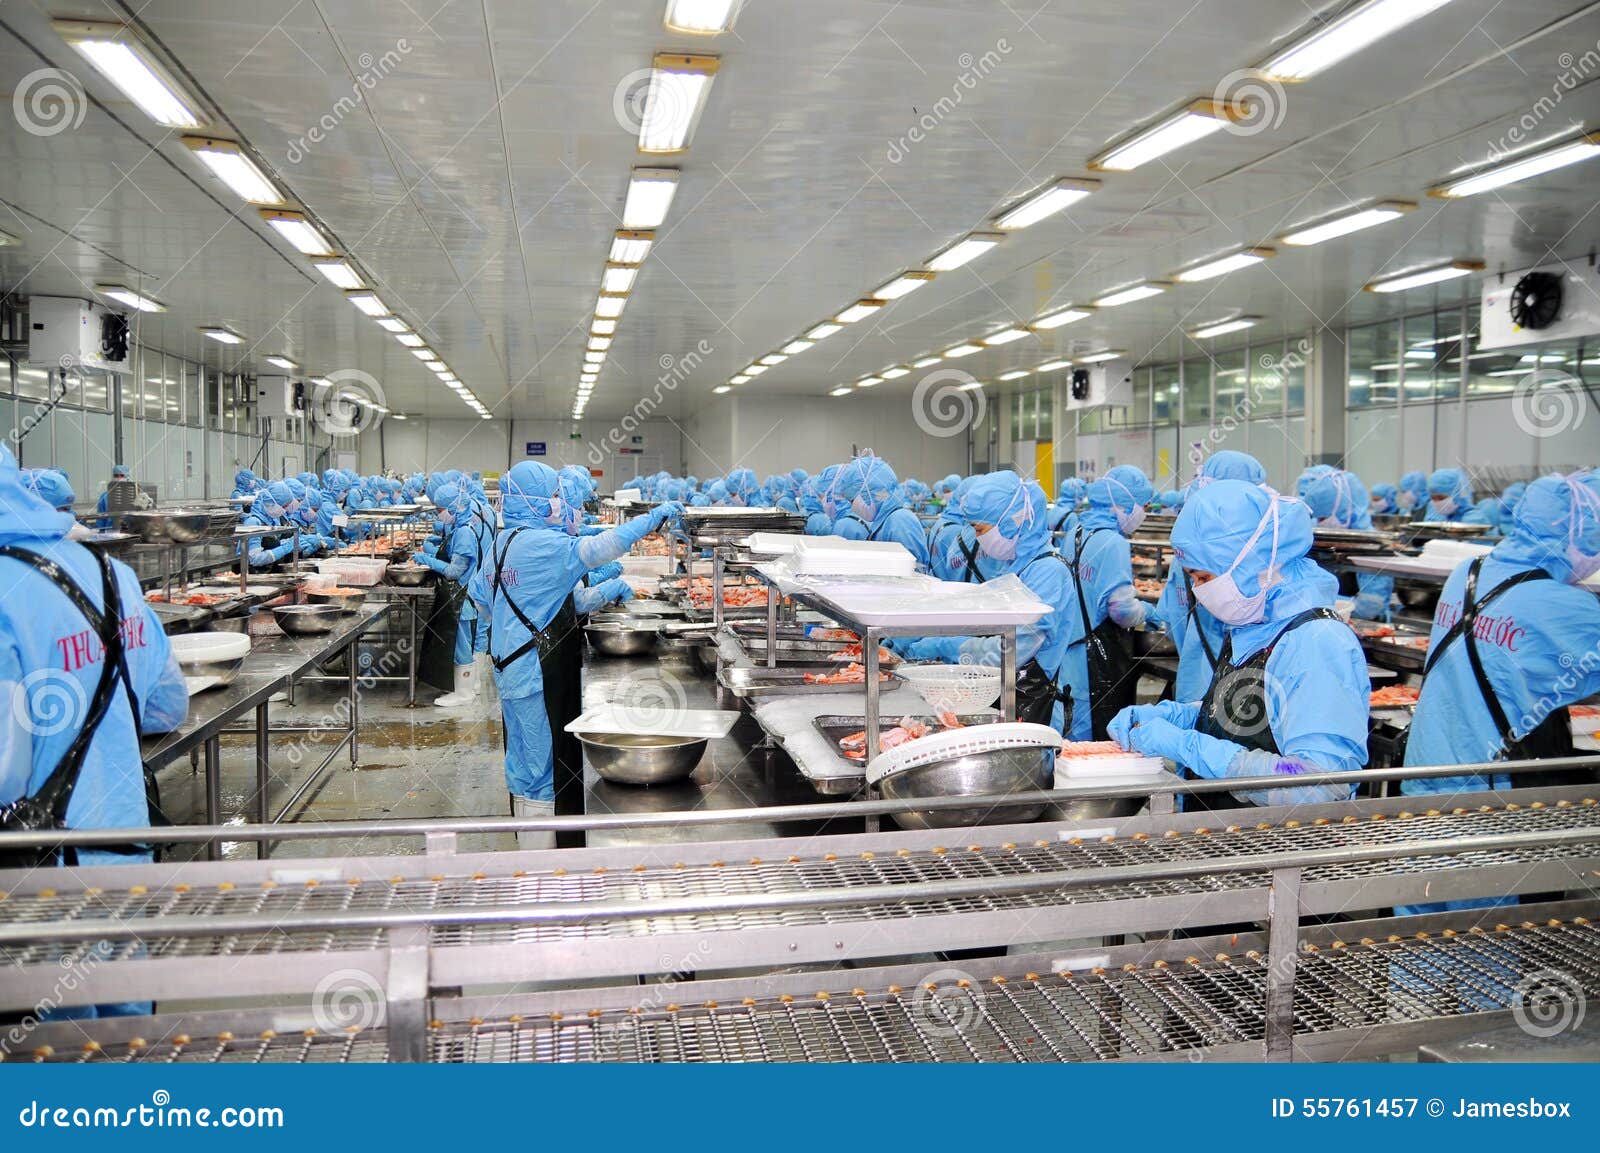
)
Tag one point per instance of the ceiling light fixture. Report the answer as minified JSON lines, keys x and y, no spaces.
{"x":895,"y":372}
{"x":1053,"y":366}
{"x":926,"y":362}
{"x":222,"y":335}
{"x":230,"y":164}
{"x":902,"y":285}
{"x":599,"y":343}
{"x":298,"y":231}
{"x":391,"y":324}
{"x":1347,"y":222}
{"x":1014,"y":374}
{"x":603,"y":327}
{"x":795,"y":347}
{"x":869,"y":381}
{"x":1224,"y":327}
{"x":823,"y":331}
{"x":1400,"y":281}
{"x":771,"y":360}
{"x":673,"y":100}
{"x":121,"y":57}
{"x":618,"y":278}
{"x":1130,"y":294}
{"x":630,"y":246}
{"x":964,"y":251}
{"x":721,"y":389}
{"x":128,"y":296}
{"x":970,"y":386}
{"x":650,"y":193}
{"x":1004,"y":336}
{"x":755,"y":370}
{"x":609,"y":305}
{"x":340,"y":273}
{"x":1346,"y":36}
{"x":860,"y":310}
{"x":701,"y":17}
{"x":282,"y":362}
{"x":966,"y":348}
{"x":367,"y":302}
{"x":845,"y":391}
{"x":739,"y":379}
{"x":1222,"y":265}
{"x":1045,"y":202}
{"x":1102,"y":357}
{"x":424,"y":354}
{"x":1061,"y":316}
{"x":1585,"y":147}
{"x":409,"y":339}
{"x":1194,"y":122}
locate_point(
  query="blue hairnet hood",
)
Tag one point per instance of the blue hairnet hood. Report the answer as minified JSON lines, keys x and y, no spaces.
{"x":1304,"y":482}
{"x":1339,"y":495}
{"x":1218,"y":521}
{"x":1451,"y":482}
{"x":23,"y":516}
{"x":1072,"y":489}
{"x":1016,"y":507}
{"x":525,"y":494}
{"x":1232,"y":465}
{"x":1554,"y":512}
{"x":52,"y":487}
{"x":1124,"y":487}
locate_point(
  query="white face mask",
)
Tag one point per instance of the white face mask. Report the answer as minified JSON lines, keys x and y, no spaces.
{"x":1585,"y":509}
{"x":1447,"y":506}
{"x":1222,"y":597}
{"x":1128,"y":520}
{"x":1407,"y":500}
{"x":865,"y":509}
{"x":997,"y":545}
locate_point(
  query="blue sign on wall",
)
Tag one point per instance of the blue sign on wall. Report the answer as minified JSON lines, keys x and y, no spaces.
{"x":535,"y":448}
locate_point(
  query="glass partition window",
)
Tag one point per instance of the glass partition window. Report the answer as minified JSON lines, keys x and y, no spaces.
{"x":1164,"y":394}
{"x":1432,"y":356}
{"x":1374,"y":364}
{"x":1232,"y":386}
{"x":1196,"y":391}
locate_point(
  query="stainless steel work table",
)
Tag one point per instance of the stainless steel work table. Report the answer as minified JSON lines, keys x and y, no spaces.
{"x":274,"y":664}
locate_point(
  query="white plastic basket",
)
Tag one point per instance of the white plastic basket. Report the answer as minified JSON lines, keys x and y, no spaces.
{"x":957,"y":688}
{"x":974,"y":740}
{"x":354,"y":571}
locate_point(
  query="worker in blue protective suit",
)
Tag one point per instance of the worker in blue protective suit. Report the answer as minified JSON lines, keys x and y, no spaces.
{"x":953,"y":553}
{"x":1305,"y":480}
{"x":818,"y":522}
{"x":1009,"y":517}
{"x":1450,"y":497}
{"x":412,"y":489}
{"x":466,"y":542}
{"x":1064,"y":513}
{"x":1338,"y":499}
{"x":1171,"y":500}
{"x":525,"y":586}
{"x":272,"y":536}
{"x":307,"y":517}
{"x":1196,"y":634}
{"x":742,"y":487}
{"x":118,"y":472}
{"x":52,"y":662}
{"x":359,"y":499}
{"x":1384,"y":500}
{"x":717,"y":494}
{"x":245,"y":483}
{"x":869,"y":485}
{"x":1099,"y":672}
{"x":836,"y":506}
{"x":1524,"y":611}
{"x":798,"y":476}
{"x":1290,"y":691}
{"x":328,"y":509}
{"x":1413,"y":495}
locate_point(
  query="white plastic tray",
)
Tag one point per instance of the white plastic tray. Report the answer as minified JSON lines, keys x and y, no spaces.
{"x":209,"y":646}
{"x":1081,"y":770}
{"x":835,"y":556}
{"x":651,"y":720}
{"x":779,"y":543}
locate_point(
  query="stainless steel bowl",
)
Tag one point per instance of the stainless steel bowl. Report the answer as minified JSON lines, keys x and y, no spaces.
{"x":306,"y":620}
{"x":641,"y":759}
{"x":1096,"y":810}
{"x":344,"y":602}
{"x":408,"y":575}
{"x":174,"y":525}
{"x":615,"y":641}
{"x":1001,"y":771}
{"x":239,"y":624}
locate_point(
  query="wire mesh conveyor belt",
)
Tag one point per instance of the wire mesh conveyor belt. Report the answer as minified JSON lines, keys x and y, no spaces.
{"x":1180,"y":1007}
{"x":31,"y":916}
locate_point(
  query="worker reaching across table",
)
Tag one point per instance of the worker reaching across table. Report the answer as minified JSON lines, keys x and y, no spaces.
{"x":1290,"y":691}
{"x":526,"y":585}
{"x":271,"y":536}
{"x":85,"y":668}
{"x":873,"y":493}
{"x":1099,"y":671}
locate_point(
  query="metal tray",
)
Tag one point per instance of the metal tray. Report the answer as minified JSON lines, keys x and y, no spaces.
{"x":764,"y":682}
{"x":1403,"y":658}
{"x":836,"y":726}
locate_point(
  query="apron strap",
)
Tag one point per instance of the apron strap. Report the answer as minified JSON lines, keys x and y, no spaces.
{"x":537,"y":636}
{"x":1194,"y":620}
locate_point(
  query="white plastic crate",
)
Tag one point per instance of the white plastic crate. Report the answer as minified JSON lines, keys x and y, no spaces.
{"x":354,"y":571}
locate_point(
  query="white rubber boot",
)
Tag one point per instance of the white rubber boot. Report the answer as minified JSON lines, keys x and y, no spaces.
{"x":528,"y":807}
{"x":487,"y":688}
{"x":466,"y":689}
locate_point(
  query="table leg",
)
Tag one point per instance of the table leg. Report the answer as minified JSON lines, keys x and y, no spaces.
{"x":772,"y":626}
{"x":411,"y":668}
{"x":869,"y":657}
{"x":263,"y":777}
{"x":351,"y":656}
{"x":1008,"y":674}
{"x":213,"y":793}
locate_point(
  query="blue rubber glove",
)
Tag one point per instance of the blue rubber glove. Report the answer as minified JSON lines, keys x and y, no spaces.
{"x":623,"y":590}
{"x":605,"y":572}
{"x":1155,"y":737}
{"x":309,"y":545}
{"x":419,"y":558}
{"x":1122,"y":725}
{"x":667,"y":510}
{"x":282,"y":551}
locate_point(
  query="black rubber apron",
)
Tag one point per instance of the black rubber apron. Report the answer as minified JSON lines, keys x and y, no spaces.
{"x":559,"y":647}
{"x":47,"y":808}
{"x":1552,"y":737}
{"x":1113,"y":674}
{"x":1235,"y":707}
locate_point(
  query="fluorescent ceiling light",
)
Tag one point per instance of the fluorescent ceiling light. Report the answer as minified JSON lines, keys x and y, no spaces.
{"x":1421,"y":354}
{"x":926,"y":362}
{"x":1053,"y":365}
{"x":609,"y":306}
{"x":739,"y":379}
{"x":392,"y":324}
{"x":1101,"y":357}
{"x":439,"y":368}
{"x":1224,"y":327}
{"x":902,"y":285}
{"x":618,"y":278}
{"x":772,"y":359}
{"x":794,"y":347}
{"x":222,"y":335}
{"x":964,"y":251}
{"x":755,"y":370}
{"x":650,"y":192}
{"x":1508,"y":372}
{"x":229,"y":163}
{"x":677,"y":91}
{"x":1129,"y":295}
{"x":129,"y":297}
{"x":823,"y":331}
{"x":845,"y":391}
{"x":895,"y":373}
{"x":1014,"y":374}
{"x":1346,"y":36}
{"x":1586,"y":147}
{"x":721,"y":389}
{"x":869,"y":381}
{"x":367,"y":302}
{"x":1004,"y":336}
{"x":8,"y":241}
{"x":704,"y":17}
{"x":966,"y":348}
{"x":424,"y":354}
{"x":1401,"y":281}
{"x":409,"y":339}
{"x":1348,"y":222}
{"x":603,"y":327}
{"x":1222,"y":265}
{"x":1047,"y":201}
{"x":1185,"y":126}
{"x":321,"y":382}
{"x":594,"y":358}
{"x":859,"y":311}
{"x":970,"y":386}
{"x":1060,"y":316}
{"x":282,"y":362}
{"x":298,"y":231}
{"x":122,"y":58}
{"x":588,"y":378}
{"x":398,"y":415}
{"x":599,"y":343}
{"x":630,"y":246}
